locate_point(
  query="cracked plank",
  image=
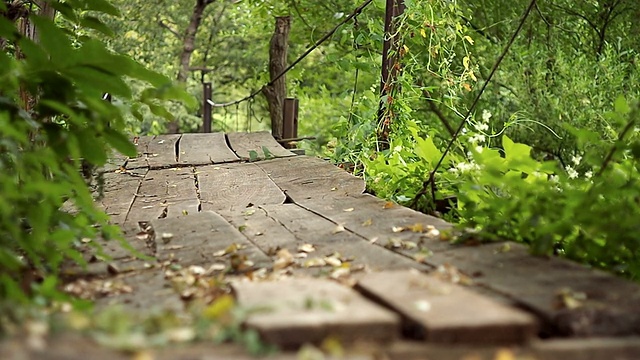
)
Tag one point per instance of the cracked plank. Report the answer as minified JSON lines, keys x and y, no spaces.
{"x":162,"y":190}
{"x":119,"y":194}
{"x":196,"y":238}
{"x":304,"y":177}
{"x":236,"y":186}
{"x":161,"y":151}
{"x":329,"y":238}
{"x":204,"y":149}
{"x":243,"y":143}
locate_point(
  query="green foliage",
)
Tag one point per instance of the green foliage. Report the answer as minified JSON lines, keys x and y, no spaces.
{"x":52,"y":122}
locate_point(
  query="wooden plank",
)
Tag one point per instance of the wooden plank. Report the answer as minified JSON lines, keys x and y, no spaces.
{"x":146,"y":291}
{"x":627,"y":348}
{"x":439,"y":311}
{"x":141,"y":159}
{"x":204,"y":149}
{"x":119,"y":193}
{"x":329,"y":238}
{"x":309,"y":310}
{"x":243,"y":143}
{"x":304,"y":177}
{"x":232,"y":186}
{"x":161,"y":151}
{"x":261,"y":229}
{"x":163,"y":190}
{"x":572,"y":299}
{"x":393,"y":226}
{"x":195,"y":239}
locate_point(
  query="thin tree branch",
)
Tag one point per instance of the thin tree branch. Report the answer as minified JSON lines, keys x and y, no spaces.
{"x":171,"y":30}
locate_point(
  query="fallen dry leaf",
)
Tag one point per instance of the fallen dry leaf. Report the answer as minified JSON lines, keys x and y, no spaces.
{"x":338,"y":229}
{"x":315,"y":262}
{"x":284,"y":260}
{"x":307,"y":248}
{"x":348,"y":210}
{"x":388,"y":205}
{"x":367,"y":222}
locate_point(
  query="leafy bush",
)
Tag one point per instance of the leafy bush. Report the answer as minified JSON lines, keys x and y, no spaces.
{"x":52,"y":122}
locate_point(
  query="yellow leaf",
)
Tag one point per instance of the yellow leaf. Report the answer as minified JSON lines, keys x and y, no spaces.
{"x":417,"y":227}
{"x":219,"y":308}
{"x":466,"y":86}
{"x":469,"y":39}
{"x":367,"y":222}
{"x":423,"y":33}
{"x":472,"y":75}
{"x":348,"y":210}
{"x":388,"y":205}
{"x":465,"y":62}
{"x":406,"y":48}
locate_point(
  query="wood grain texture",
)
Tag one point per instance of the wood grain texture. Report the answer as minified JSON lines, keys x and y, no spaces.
{"x":197,"y":237}
{"x":204,"y":149}
{"x":309,"y":310}
{"x":119,"y":194}
{"x":162,"y":190}
{"x":243,"y":143}
{"x":236,"y":186}
{"x":571,"y":299}
{"x":439,"y":311}
{"x":388,"y":223}
{"x":329,"y":238}
{"x":304,"y":177}
{"x":161,"y":151}
{"x":140,"y":160}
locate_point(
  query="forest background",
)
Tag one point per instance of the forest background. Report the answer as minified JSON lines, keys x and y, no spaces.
{"x":547,"y":155}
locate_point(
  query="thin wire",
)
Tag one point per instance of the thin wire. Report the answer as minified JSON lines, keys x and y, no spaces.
{"x":431,"y":181}
{"x":355,"y":13}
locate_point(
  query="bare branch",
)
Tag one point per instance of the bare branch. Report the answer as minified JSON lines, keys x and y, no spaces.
{"x":171,"y":30}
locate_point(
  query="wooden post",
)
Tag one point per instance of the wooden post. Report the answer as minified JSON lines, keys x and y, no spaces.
{"x":290,"y":125}
{"x":395,"y":8}
{"x":276,"y":91}
{"x":206,"y":107}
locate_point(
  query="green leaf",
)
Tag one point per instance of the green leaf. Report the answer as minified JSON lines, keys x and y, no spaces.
{"x":91,"y":148}
{"x":427,"y":151}
{"x":253,"y":155}
{"x":102,"y":6}
{"x":93,"y":22}
{"x":515,"y":150}
{"x":621,"y":106}
{"x":54,"y":40}
{"x":120,"y":142}
{"x":267,"y":153}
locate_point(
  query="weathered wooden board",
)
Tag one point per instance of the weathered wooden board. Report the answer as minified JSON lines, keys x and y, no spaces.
{"x":162,"y":190}
{"x":304,"y":177}
{"x":236,"y":186}
{"x":329,"y":238}
{"x":261,"y":229}
{"x":627,"y":348}
{"x":243,"y":143}
{"x":162,"y":151}
{"x":114,"y":162}
{"x":119,"y":192}
{"x":204,"y":149}
{"x":572,"y":299}
{"x":195,"y":239}
{"x":299,"y":311}
{"x":392,"y":225}
{"x":140,"y":161}
{"x":440,"y":311}
{"x":148,"y":292}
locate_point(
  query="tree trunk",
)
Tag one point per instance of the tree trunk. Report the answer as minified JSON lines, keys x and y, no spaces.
{"x":29,"y":30}
{"x":188,"y":46}
{"x":390,"y":69}
{"x":276,"y":91}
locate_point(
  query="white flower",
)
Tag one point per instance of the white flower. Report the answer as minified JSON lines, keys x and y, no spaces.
{"x":486,"y":115}
{"x":588,"y":174}
{"x":554,"y":178}
{"x":572,"y":172}
{"x":479,"y":149}
{"x":477,"y":139}
{"x":397,"y":148}
{"x":576,"y":159}
{"x":481,"y":126}
{"x":465,"y":167}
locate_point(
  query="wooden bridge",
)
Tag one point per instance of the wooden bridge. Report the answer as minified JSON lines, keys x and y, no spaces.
{"x":297,"y":236}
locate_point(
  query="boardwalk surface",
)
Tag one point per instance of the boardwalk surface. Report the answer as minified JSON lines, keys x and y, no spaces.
{"x":298,"y":239}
